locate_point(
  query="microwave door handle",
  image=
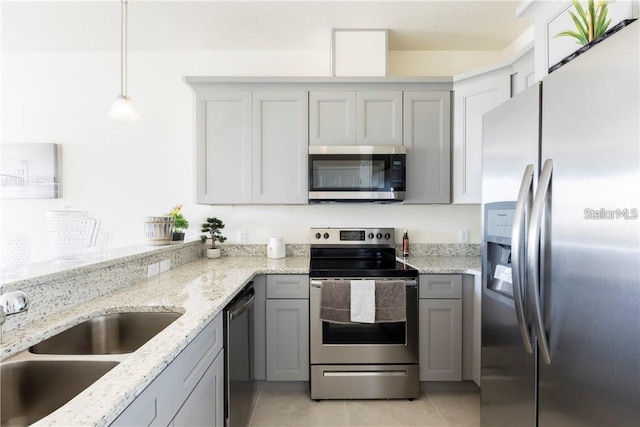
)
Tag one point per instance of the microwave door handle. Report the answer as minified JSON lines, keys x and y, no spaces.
{"x":521,"y":213}
{"x":533,"y":254}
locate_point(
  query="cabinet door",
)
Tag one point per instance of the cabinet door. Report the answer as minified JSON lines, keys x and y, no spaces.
{"x":153,"y":407}
{"x":287,"y":340}
{"x":379,"y":118}
{"x":205,"y":404}
{"x":440,"y":339}
{"x":471,"y":102}
{"x":223,"y":153}
{"x":280,"y":147}
{"x":332,"y":118}
{"x":427,"y":124}
{"x":193,"y":361}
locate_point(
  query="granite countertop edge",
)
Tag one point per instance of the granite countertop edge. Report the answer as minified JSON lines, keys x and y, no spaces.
{"x":200,"y":290}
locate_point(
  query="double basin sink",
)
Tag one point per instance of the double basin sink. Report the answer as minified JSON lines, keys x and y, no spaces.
{"x":40,"y":380}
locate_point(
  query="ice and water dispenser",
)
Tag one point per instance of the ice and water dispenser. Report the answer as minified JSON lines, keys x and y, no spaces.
{"x":498,"y":225}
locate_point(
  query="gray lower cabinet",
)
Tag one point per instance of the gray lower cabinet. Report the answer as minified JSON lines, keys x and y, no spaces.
{"x":153,"y":407}
{"x":191,"y":388}
{"x":440,"y":318}
{"x":287,"y":328}
{"x":205,"y":404}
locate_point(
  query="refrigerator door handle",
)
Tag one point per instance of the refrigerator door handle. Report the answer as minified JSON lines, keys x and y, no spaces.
{"x":533,"y":255}
{"x":522,"y":208}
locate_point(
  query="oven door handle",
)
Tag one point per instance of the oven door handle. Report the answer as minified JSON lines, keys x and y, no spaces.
{"x":318,"y":283}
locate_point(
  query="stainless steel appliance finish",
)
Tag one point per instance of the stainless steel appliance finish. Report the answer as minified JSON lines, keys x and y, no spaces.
{"x":579,"y":247}
{"x":357,"y":360}
{"x":357,"y":174}
{"x":33,"y":389}
{"x":240,"y":390}
{"x":115,"y":333}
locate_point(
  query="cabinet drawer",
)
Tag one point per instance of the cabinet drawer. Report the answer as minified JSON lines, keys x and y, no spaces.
{"x":448,"y":286}
{"x":192,"y":363}
{"x":153,"y":407}
{"x":288,"y":286}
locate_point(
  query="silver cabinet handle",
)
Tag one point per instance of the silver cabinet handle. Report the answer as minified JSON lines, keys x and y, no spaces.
{"x":533,"y":249}
{"x":522,"y":209}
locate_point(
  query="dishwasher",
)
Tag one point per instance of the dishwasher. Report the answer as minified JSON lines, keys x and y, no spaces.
{"x":240,"y":385}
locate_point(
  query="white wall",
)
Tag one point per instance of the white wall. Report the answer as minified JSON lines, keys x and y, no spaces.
{"x":121,"y":171}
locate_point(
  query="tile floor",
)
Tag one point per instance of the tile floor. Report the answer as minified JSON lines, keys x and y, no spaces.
{"x":440,"y":406}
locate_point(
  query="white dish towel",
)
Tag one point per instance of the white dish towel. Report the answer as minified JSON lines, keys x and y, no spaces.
{"x":363,"y":301}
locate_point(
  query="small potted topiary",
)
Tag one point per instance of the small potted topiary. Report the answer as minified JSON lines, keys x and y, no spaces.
{"x":212,"y":227}
{"x":180,"y":223}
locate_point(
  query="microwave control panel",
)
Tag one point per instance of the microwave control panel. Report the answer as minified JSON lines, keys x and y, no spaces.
{"x":397,"y":181}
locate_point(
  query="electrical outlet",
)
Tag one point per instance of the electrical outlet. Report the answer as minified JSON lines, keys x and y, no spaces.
{"x":464,"y":236}
{"x":165,"y":265}
{"x":153,"y":270}
{"x":242,"y":236}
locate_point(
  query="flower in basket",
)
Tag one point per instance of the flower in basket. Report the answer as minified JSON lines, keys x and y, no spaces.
{"x":180,"y":223}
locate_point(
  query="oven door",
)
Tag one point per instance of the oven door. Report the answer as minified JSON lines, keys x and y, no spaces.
{"x":363,"y":343}
{"x":361,"y":173}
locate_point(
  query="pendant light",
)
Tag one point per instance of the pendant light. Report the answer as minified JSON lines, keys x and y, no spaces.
{"x":121,"y":108}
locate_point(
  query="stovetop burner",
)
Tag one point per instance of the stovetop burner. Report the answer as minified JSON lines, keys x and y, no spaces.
{"x":356,"y":253}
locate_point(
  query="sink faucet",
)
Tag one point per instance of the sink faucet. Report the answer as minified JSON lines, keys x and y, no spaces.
{"x":12,"y":303}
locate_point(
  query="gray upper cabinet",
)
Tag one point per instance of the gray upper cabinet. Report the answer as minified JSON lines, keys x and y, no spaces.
{"x":471,"y":101}
{"x":223,"y":152}
{"x":379,"y":118}
{"x":355,"y":118}
{"x":252,"y":147}
{"x":280,"y":147}
{"x":427,"y":118}
{"x":332,"y":118}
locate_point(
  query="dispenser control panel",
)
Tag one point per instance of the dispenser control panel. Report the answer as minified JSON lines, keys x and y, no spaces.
{"x":499,"y":222}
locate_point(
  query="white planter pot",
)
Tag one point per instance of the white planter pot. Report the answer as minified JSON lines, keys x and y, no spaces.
{"x":213,"y":253}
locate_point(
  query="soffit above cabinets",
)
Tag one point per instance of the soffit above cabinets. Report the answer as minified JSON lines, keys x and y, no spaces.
{"x":257,"y":25}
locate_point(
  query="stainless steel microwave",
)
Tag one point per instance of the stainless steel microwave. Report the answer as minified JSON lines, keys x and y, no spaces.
{"x":357,"y":174}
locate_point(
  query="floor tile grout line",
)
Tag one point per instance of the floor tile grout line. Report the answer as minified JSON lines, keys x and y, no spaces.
{"x":437,"y":409}
{"x":346,"y":413}
{"x":255,"y":407}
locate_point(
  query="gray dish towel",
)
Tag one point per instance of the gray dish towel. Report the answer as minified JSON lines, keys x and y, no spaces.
{"x":391,"y":297}
{"x":391,"y":301}
{"x":335,"y":301}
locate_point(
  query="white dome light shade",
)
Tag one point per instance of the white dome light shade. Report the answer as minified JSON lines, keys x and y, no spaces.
{"x":121,"y":109}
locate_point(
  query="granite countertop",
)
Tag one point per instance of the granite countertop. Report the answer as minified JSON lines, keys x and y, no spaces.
{"x":199,"y":289}
{"x":445,"y":264}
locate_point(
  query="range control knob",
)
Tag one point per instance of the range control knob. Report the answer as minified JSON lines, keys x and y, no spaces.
{"x":318,"y":235}
{"x":387,"y":236}
{"x":326,"y":235}
{"x":379,"y":236}
{"x":370,"y":236}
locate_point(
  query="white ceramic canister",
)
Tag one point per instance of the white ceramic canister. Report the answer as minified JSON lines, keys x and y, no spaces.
{"x":276,"y":248}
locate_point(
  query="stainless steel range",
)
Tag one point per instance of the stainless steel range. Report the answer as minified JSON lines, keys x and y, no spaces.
{"x":354,"y":360}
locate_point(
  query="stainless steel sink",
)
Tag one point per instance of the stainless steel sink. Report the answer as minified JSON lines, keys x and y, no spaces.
{"x":32,"y":389}
{"x":108,"y":334}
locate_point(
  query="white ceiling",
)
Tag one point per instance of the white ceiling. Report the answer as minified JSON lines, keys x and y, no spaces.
{"x":232,"y":25}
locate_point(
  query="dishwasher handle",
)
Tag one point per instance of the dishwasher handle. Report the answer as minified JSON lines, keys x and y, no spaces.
{"x":243,"y":304}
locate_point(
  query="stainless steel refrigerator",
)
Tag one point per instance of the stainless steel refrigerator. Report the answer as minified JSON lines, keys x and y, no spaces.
{"x":561,"y":247}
